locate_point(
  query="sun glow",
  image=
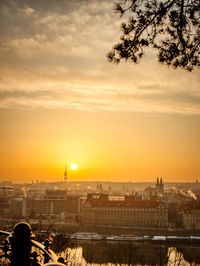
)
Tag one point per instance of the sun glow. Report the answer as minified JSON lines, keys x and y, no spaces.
{"x":73,"y":166}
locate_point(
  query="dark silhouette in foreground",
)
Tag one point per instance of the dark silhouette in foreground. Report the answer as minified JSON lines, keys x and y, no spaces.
{"x":172,"y":27}
{"x":21,"y":249}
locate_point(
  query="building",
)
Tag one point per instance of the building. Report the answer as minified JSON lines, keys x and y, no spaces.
{"x":190,"y":215}
{"x":159,"y":186}
{"x":4,"y":206}
{"x":156,"y":192}
{"x":54,"y":202}
{"x":18,"y":207}
{"x":102,"y":209}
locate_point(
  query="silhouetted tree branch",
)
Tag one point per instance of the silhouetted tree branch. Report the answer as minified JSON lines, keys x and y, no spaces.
{"x":172,"y":27}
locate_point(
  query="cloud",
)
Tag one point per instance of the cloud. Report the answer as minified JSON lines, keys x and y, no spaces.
{"x":54,"y":56}
{"x":79,"y":30}
{"x":91,"y":98}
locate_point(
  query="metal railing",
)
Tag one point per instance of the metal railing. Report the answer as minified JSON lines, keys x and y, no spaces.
{"x":20,"y":248}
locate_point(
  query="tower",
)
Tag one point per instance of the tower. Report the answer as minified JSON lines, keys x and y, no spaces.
{"x":65,"y":177}
{"x":159,"y":185}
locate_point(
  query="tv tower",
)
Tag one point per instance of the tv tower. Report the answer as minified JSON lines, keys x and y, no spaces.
{"x":65,"y":176}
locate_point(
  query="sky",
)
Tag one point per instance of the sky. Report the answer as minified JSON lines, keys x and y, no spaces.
{"x":62,"y":102}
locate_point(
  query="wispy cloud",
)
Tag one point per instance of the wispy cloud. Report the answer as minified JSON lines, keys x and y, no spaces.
{"x":91,"y":98}
{"x":53,"y":56}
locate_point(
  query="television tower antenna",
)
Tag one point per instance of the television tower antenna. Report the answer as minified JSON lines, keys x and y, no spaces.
{"x":65,"y":174}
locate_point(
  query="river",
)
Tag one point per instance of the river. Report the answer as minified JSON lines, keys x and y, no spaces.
{"x":95,"y":253}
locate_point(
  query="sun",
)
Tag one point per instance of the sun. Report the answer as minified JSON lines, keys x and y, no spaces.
{"x":73,"y":166}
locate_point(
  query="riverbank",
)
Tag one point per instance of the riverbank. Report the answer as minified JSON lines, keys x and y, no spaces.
{"x":68,"y":228}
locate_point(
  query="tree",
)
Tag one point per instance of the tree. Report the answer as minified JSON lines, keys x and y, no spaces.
{"x":172,"y":27}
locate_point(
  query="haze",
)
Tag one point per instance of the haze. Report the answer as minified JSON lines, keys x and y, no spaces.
{"x":61,"y":102}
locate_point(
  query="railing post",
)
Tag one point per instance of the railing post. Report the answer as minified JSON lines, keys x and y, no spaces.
{"x":20,"y":241}
{"x":47,"y":246}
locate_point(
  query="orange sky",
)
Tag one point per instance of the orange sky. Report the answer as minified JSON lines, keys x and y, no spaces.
{"x":61,"y":102}
{"x":36,"y":144}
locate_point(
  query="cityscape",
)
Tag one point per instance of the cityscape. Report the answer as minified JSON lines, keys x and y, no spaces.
{"x":99,"y":132}
{"x":158,"y":205}
{"x":154,"y":223}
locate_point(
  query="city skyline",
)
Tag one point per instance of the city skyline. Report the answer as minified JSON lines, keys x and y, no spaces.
{"x":62,"y":102}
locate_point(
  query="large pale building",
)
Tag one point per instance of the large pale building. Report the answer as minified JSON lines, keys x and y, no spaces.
{"x":190,"y":215}
{"x":55,"y":202}
{"x":102,"y":209}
